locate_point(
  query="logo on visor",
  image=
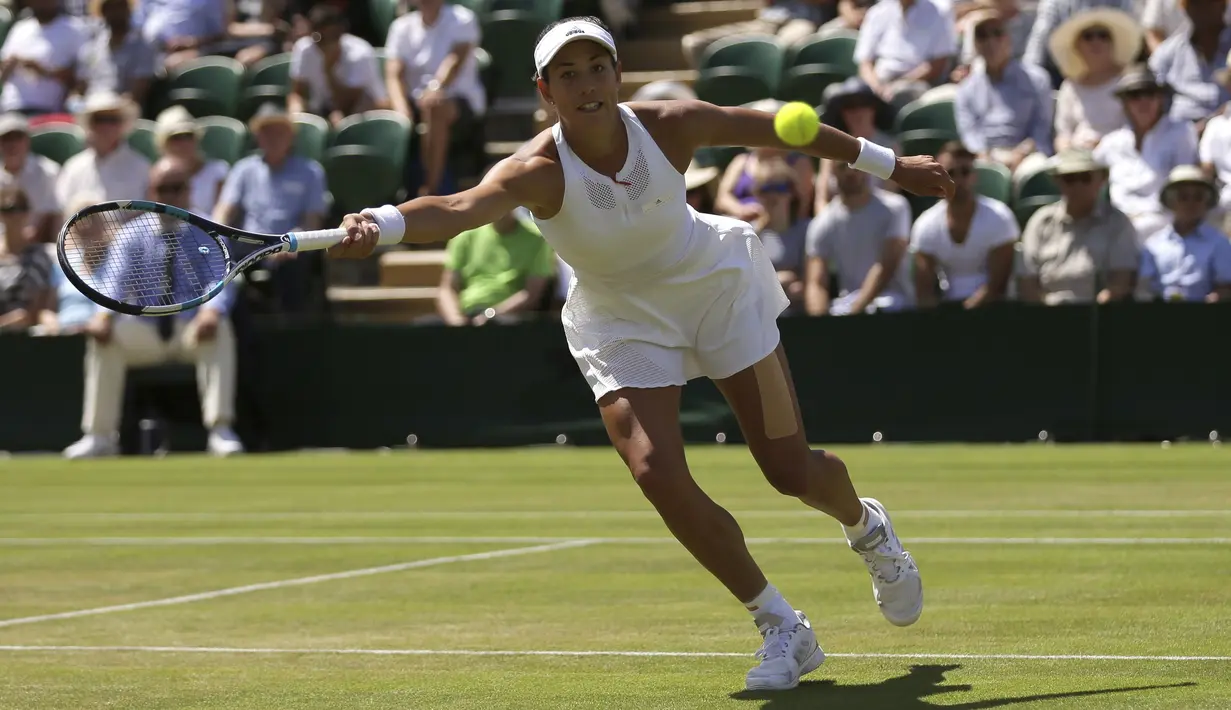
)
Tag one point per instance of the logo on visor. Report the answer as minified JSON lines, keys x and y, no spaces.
{"x":574,"y":31}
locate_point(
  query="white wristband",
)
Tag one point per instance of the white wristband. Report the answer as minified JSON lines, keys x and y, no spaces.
{"x":875,"y":159}
{"x":391,"y":222}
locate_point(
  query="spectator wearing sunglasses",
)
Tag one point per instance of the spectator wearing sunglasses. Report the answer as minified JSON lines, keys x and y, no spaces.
{"x":108,"y":166}
{"x":779,"y":226}
{"x":1079,"y":249}
{"x":734,"y":196}
{"x":1092,"y":49}
{"x":1214,"y":151}
{"x":1189,"y":259}
{"x":25,"y":267}
{"x":1141,"y":154}
{"x":1189,"y":60}
{"x":965,"y":243}
{"x":1003,"y":108}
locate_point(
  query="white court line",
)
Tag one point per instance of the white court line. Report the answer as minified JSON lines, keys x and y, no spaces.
{"x":239,"y":516}
{"x":532,"y":540}
{"x":299,"y":581}
{"x":628,"y":654}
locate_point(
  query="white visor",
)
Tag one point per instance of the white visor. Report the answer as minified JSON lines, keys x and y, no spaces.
{"x":562,"y":34}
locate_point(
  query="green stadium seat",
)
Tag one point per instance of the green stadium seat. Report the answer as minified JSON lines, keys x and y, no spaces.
{"x":311,"y":136}
{"x":271,"y":71}
{"x":546,"y":11}
{"x":509,"y":36}
{"x":222,"y":137}
{"x":757,"y":55}
{"x":925,"y":141}
{"x":360,"y":176}
{"x":387,"y":131}
{"x":1036,"y":184}
{"x":57,"y":141}
{"x":383,"y":13}
{"x":731,"y":86}
{"x":995,"y":181}
{"x":922,"y":114}
{"x":6,"y":23}
{"x":837,"y":50}
{"x":256,"y":96}
{"x":807,"y":82}
{"x":208,"y":86}
{"x":1029,"y":205}
{"x":144,"y":138}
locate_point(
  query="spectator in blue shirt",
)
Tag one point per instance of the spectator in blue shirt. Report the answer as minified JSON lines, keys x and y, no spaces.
{"x":1004,"y":107}
{"x":1190,"y":259}
{"x":275,"y":192}
{"x":202,"y":336}
{"x":1189,"y":59}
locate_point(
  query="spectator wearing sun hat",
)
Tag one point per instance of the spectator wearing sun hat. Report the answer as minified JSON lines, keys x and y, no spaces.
{"x":1188,"y":60}
{"x":1189,"y":259}
{"x":1091,"y":50}
{"x":1138,"y":173}
{"x":178,"y":135}
{"x":853,"y":107}
{"x":34,"y":174}
{"x":1214,"y":152}
{"x":1079,"y":249}
{"x":1003,"y":107}
{"x":108,"y":166}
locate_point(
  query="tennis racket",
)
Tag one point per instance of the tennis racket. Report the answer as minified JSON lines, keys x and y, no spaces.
{"x":150,"y":259}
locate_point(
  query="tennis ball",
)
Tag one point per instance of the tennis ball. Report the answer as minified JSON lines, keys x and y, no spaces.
{"x":797,"y":123}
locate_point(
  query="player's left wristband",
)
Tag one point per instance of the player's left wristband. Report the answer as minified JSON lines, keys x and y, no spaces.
{"x":391,"y":222}
{"x":875,"y":159}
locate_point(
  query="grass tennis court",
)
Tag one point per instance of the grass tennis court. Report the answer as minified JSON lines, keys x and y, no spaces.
{"x":540,"y":578}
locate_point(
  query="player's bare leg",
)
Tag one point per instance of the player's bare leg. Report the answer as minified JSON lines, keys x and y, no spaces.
{"x":764,"y":400}
{"x":644,"y":427}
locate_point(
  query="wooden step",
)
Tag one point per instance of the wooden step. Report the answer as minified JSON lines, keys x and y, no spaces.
{"x":678,"y":19}
{"x":653,"y":54}
{"x":633,"y":80}
{"x":382,"y":304}
{"x":420,"y":269}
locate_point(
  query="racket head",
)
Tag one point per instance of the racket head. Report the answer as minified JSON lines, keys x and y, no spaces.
{"x":147,"y":258}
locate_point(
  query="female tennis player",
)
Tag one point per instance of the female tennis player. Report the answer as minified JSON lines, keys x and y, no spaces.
{"x":662,"y":294}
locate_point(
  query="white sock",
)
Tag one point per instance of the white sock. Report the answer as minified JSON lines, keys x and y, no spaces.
{"x":769,"y":607}
{"x":869,"y":520}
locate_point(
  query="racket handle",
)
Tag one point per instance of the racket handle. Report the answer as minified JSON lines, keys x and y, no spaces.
{"x":315,"y":239}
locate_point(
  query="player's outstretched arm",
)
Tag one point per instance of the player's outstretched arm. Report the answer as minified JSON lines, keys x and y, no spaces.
{"x":735,"y":126}
{"x":511,"y":183}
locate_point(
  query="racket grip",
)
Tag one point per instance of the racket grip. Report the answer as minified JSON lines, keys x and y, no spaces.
{"x":315,"y":239}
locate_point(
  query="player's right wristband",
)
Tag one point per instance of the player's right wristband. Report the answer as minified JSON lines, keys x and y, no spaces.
{"x":391,"y":222}
{"x":875,"y":159}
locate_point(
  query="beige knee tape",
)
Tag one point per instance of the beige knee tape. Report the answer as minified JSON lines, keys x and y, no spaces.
{"x":777,"y":408}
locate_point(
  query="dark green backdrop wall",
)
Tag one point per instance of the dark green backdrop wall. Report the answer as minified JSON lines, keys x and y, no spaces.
{"x":1114,"y":372}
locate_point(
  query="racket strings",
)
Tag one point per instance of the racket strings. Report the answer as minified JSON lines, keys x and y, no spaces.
{"x":142,"y":258}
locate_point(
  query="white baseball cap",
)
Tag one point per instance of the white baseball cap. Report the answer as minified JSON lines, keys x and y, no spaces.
{"x":567,"y":32}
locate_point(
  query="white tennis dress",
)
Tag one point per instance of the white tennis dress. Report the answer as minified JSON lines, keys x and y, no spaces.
{"x":660,"y":293}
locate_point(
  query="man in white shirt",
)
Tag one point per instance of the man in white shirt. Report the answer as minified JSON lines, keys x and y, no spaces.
{"x":33,"y":173}
{"x":433,"y":79}
{"x":862,"y":236}
{"x":967,"y":242}
{"x":334,"y":73}
{"x":108,"y":166}
{"x":904,"y":47}
{"x":1214,"y":152}
{"x":39,"y":58}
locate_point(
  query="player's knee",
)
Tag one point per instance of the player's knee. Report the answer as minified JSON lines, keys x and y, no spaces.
{"x":787,"y":470}
{"x":654,"y":470}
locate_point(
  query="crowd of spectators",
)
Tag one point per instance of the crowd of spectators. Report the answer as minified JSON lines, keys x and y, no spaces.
{"x":1130,"y":117}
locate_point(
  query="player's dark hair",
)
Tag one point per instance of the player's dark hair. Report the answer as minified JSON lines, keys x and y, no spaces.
{"x":957,"y":150}
{"x":580,"y":18}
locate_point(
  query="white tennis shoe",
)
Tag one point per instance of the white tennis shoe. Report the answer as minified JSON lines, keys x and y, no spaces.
{"x":788,"y":652}
{"x":896,"y":583}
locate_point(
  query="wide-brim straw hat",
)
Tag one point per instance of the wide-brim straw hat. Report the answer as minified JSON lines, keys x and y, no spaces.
{"x":699,"y":175}
{"x":1187,"y":175}
{"x":107,"y":102}
{"x":175,"y":121}
{"x":838,"y":95}
{"x":1126,"y":39}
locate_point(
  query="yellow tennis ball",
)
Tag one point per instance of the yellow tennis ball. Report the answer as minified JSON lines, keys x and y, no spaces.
{"x":797,"y":123}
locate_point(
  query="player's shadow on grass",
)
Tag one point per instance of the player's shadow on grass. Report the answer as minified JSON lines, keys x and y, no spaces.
{"x":905,"y":692}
